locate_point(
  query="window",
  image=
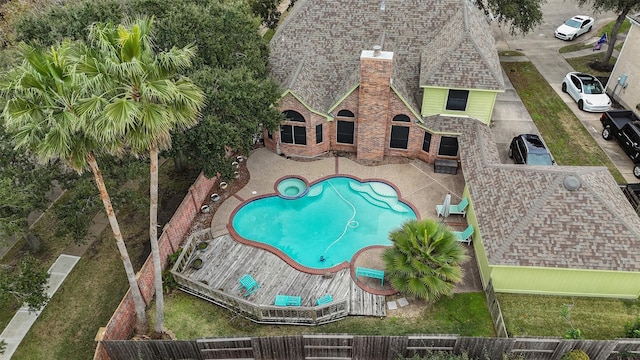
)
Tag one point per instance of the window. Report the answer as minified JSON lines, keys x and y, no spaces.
{"x":448,"y":146}
{"x":345,"y":132}
{"x":345,"y":113}
{"x":293,"y":135}
{"x":292,"y":115}
{"x":401,"y":117}
{"x":426,"y":143}
{"x":399,"y":137}
{"x":318,"y":134}
{"x":457,"y":100}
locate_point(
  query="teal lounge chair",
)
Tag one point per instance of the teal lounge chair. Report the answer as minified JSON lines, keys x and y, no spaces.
{"x":464,"y":236}
{"x":457,"y":209}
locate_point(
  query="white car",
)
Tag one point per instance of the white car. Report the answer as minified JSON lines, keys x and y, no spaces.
{"x":574,"y":27}
{"x":587,"y":91}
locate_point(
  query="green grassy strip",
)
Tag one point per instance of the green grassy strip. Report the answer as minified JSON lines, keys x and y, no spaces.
{"x":539,"y":315}
{"x":465,"y":314}
{"x":568,"y":140}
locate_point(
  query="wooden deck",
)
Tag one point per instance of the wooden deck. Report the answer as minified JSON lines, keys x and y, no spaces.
{"x":225,"y":261}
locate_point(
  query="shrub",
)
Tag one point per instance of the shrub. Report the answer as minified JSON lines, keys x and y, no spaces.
{"x":626,"y":355}
{"x":632,"y":330}
{"x":169,"y":283}
{"x":575,"y":355}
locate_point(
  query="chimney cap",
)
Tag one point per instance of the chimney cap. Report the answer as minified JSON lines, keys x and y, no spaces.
{"x":376,"y":50}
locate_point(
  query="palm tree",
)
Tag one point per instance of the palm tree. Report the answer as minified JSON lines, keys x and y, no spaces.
{"x":43,"y":96}
{"x":425,"y":259}
{"x":150,"y":99}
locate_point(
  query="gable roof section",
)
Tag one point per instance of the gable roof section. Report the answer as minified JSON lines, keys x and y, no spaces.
{"x":526,"y":216}
{"x":315,"y":52}
{"x":462,"y":56}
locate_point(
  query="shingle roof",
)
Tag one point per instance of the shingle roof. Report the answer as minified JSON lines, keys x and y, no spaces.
{"x":315,"y":52}
{"x":526,"y":216}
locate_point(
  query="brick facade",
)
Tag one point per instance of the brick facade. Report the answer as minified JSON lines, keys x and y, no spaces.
{"x":374,"y":104}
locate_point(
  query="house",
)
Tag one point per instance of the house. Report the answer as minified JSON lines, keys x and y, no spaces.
{"x":624,"y":82}
{"x":367,"y":76}
{"x":560,"y":230}
{"x":419,"y":79}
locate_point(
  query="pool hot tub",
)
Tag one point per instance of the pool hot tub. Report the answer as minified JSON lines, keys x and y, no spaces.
{"x":292,"y":187}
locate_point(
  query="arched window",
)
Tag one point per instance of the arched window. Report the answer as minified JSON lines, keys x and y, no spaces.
{"x":345,"y":113}
{"x":401,"y":117}
{"x":292,"y":115}
{"x":290,"y":134}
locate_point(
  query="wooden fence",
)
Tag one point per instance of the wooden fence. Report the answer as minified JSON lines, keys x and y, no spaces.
{"x":494,"y":310}
{"x":259,"y":313}
{"x":346,"y":347}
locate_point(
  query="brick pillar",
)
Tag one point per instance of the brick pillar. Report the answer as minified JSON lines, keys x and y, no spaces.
{"x":373,"y":107}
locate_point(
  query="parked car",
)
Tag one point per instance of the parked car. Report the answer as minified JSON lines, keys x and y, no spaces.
{"x":587,"y":91}
{"x":622,"y":125}
{"x":529,"y":149}
{"x":574,"y":27}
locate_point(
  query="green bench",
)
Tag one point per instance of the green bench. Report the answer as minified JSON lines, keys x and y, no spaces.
{"x":372,"y":273}
{"x":284,"y":300}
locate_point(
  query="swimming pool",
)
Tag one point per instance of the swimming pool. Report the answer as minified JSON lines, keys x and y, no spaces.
{"x":324,"y":228}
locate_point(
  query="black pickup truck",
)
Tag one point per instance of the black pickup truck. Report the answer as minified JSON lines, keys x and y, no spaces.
{"x":624,"y":126}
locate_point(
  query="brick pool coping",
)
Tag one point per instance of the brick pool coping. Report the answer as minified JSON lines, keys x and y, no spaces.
{"x":344,"y":265}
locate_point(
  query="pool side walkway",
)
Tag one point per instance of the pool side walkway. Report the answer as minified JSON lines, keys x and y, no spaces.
{"x":416,"y":183}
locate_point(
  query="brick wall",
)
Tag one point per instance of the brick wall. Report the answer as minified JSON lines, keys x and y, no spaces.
{"x":373,"y":107}
{"x":120,"y":326}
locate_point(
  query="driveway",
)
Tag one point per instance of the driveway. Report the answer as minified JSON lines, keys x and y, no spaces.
{"x":541,"y":48}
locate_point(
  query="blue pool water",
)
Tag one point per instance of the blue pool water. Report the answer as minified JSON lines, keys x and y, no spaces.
{"x":335,"y":219}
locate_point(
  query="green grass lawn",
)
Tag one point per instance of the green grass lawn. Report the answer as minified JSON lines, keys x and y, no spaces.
{"x":568,"y":140}
{"x":538,"y":315}
{"x":190,"y":317}
{"x":582,"y":64}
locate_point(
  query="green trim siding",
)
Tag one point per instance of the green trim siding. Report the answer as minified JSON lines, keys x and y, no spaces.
{"x":570,"y":282}
{"x":433,"y":101}
{"x":479,"y":105}
{"x":481,"y":257}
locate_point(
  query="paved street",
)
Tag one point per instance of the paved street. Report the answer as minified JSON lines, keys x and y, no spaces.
{"x":541,"y":48}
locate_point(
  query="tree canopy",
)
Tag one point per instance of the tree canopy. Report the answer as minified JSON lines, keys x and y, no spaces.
{"x":231,"y":57}
{"x":26,"y":283}
{"x":622,"y":8}
{"x":522,"y":16}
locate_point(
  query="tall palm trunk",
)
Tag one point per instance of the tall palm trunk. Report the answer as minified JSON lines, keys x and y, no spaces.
{"x":153,"y":238}
{"x":142,"y":325}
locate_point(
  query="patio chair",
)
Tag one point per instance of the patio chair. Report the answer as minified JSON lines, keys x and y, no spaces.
{"x":249,"y":284}
{"x":464,"y":236}
{"x":457,"y":209}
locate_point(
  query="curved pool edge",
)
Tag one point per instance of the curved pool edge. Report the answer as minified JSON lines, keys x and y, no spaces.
{"x":364,"y":287}
{"x":284,"y":257}
{"x":302,"y":193}
{"x":294,"y":264}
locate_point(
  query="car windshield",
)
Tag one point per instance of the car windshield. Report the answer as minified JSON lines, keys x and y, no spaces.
{"x":593,"y":87}
{"x":573,"y":23}
{"x":539,"y":159}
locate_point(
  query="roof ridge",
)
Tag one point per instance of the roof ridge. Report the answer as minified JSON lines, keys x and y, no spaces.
{"x":526,"y":219}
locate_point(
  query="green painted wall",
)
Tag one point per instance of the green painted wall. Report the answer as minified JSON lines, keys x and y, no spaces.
{"x":574,"y":282}
{"x":476,"y":243}
{"x":479,"y":106}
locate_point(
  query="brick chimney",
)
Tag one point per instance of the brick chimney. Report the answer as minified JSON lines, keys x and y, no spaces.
{"x":375,"y":89}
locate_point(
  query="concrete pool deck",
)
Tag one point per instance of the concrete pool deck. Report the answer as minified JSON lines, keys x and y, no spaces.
{"x":415,"y":180}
